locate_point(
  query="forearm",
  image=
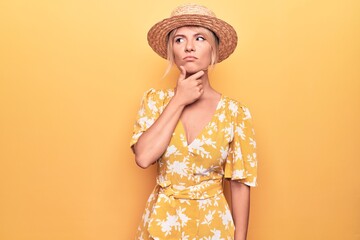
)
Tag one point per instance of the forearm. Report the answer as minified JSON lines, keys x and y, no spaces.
{"x":153,"y":143}
{"x":240,"y":200}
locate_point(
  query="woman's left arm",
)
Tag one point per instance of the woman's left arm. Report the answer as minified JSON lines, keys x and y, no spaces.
{"x":240,"y":201}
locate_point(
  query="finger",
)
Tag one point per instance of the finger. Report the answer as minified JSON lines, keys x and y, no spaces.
{"x":198,"y":82}
{"x":197,"y":75}
{"x":201,"y":90}
{"x":182,"y":73}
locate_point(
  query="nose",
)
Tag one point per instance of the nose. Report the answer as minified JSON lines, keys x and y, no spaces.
{"x":190,"y":47}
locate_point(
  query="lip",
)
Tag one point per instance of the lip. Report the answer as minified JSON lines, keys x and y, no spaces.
{"x":190,"y":58}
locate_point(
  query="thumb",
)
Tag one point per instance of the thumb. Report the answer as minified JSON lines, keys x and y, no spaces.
{"x":182,"y":73}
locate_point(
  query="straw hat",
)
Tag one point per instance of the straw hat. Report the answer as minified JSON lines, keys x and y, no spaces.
{"x":193,"y":15}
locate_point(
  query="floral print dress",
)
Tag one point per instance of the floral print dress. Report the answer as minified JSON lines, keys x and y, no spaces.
{"x":188,"y":202}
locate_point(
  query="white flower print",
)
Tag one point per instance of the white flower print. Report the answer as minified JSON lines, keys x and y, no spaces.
{"x":171,"y":150}
{"x":247,"y":113}
{"x":137,"y":135}
{"x":205,"y":204}
{"x":184,"y":237}
{"x":161,"y":95}
{"x":186,"y":201}
{"x":240,"y":130}
{"x":224,"y":152}
{"x":209,"y":217}
{"x":228,"y":132}
{"x":213,"y":126}
{"x":197,"y":145}
{"x":226,"y":218}
{"x":170,"y":93}
{"x":177,"y":167}
{"x":216,"y":236}
{"x":169,"y":224}
{"x":154,"y":210}
{"x":164,"y":198}
{"x":147,"y":122}
{"x":152,"y":105}
{"x":209,"y":141}
{"x":233,"y":107}
{"x":237,"y":152}
{"x":141,"y":237}
{"x":200,"y":170}
{"x":179,"y":187}
{"x":249,"y":158}
{"x":222,"y":117}
{"x":183,"y":140}
{"x":238,"y":174}
{"x":146,"y":216}
{"x":183,"y":217}
{"x":151,"y":197}
{"x":252,"y":161}
{"x":251,"y":183}
{"x":252,"y":142}
{"x":221,"y":104}
{"x":216,"y":200}
{"x":195,"y":193}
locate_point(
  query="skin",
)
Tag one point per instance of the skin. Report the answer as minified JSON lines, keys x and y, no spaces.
{"x":194,"y":104}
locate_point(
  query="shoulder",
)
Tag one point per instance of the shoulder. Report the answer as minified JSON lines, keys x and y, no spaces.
{"x":157,"y":99}
{"x":235,"y":108}
{"x":158,"y":95}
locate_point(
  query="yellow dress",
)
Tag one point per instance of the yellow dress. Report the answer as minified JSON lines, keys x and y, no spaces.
{"x":188,"y":201}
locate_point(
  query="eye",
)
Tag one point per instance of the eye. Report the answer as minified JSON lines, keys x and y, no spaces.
{"x":200,"y":38}
{"x":179,"y":40}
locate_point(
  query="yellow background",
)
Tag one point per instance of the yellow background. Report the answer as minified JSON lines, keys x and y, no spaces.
{"x":72,"y":73}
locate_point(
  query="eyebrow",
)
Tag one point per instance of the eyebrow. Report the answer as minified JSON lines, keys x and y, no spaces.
{"x":182,"y":35}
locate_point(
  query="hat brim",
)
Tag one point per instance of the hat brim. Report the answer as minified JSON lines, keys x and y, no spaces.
{"x":158,"y":34}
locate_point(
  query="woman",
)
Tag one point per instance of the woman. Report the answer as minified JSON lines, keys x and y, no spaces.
{"x":197,"y":136}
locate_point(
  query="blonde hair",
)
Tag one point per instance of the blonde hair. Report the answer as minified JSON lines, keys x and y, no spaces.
{"x":210,"y":36}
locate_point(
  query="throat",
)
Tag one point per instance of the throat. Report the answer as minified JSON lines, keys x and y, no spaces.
{"x":195,"y":119}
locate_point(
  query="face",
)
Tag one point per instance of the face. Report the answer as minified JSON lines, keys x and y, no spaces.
{"x":192,"y":49}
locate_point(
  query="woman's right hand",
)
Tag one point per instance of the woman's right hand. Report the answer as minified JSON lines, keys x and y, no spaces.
{"x":154,"y":141}
{"x":189,"y":89}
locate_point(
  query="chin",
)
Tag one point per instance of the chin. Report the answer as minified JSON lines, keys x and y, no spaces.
{"x":191,"y":69}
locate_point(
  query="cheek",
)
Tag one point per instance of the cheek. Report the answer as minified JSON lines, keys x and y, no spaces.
{"x":176,"y":53}
{"x":207,"y":55}
{"x":206,"y":51}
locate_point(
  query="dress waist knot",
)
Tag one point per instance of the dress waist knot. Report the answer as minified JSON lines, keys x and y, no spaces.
{"x":203,"y":190}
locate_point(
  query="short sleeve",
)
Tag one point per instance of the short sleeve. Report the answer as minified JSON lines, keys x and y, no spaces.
{"x":241,"y":162}
{"x":147,"y":114}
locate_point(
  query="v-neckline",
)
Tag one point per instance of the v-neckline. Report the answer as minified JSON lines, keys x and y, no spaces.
{"x":204,"y":127}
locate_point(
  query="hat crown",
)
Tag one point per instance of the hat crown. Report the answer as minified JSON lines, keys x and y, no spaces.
{"x":192,"y":9}
{"x":193,"y":15}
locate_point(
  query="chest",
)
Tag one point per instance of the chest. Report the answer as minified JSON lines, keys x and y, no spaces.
{"x":195,"y":119}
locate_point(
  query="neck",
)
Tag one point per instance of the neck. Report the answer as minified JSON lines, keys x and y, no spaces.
{"x":208,"y":90}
